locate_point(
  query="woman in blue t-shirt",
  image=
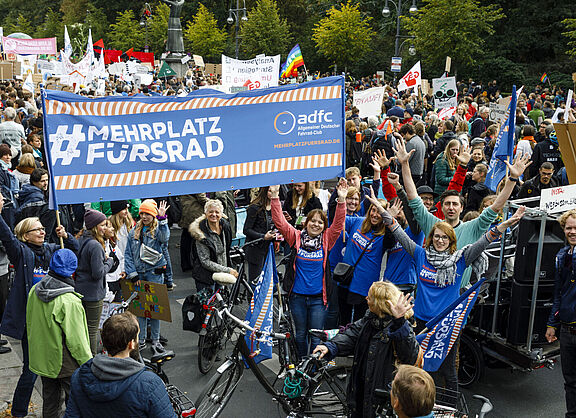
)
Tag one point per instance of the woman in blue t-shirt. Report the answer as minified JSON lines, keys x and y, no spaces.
{"x":363,"y":232}
{"x":440,"y":266}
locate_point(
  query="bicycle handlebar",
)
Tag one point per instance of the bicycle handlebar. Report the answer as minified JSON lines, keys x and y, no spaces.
{"x":126,"y":303}
{"x":243,"y":324}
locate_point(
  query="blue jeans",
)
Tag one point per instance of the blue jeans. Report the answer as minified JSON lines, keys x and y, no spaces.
{"x":143,"y":322}
{"x":568,"y":361}
{"x":25,"y":385}
{"x":307,"y":312}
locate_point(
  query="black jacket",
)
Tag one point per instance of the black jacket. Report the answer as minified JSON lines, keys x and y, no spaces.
{"x":546,"y":151}
{"x":312,"y":203}
{"x":533,"y":187}
{"x":376,"y":343}
{"x":475,"y":195}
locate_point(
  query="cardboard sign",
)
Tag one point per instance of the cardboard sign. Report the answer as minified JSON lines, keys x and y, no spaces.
{"x":445,"y":92}
{"x":558,"y":199}
{"x":6,"y":72}
{"x":566,"y":133}
{"x":369,"y":102}
{"x":151,"y":302}
{"x":198,"y":60}
{"x":498,"y":112}
{"x":213,"y":69}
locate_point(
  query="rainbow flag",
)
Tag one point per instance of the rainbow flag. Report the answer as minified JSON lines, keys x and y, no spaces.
{"x":544,"y":78}
{"x":293,"y":61}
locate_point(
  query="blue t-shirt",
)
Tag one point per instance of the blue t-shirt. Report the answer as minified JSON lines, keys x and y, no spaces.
{"x":38,"y":274}
{"x":368,"y":269}
{"x":336,"y":254}
{"x":309,"y":272}
{"x":400,"y":267}
{"x":431,"y":299}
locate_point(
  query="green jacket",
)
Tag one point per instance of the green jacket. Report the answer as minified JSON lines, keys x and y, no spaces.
{"x":104,"y":207}
{"x":443,"y":175}
{"x":57,"y":332}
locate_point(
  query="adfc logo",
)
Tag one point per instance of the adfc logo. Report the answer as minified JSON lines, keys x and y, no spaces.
{"x":284,"y":122}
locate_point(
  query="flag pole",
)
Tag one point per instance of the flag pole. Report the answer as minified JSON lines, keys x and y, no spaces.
{"x":57,"y":225}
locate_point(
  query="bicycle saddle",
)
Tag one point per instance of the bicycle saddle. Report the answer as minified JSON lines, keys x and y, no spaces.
{"x":224,"y":279}
{"x":162,"y":357}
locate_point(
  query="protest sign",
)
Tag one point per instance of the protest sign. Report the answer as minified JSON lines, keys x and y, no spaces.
{"x":263,"y":70}
{"x":369,"y":102}
{"x":558,"y":199}
{"x":151,"y":302}
{"x":445,"y":93}
{"x":412,"y":79}
{"x":498,"y":112}
{"x":566,"y":134}
{"x":198,"y":60}
{"x":568,"y":104}
{"x":122,"y":147}
{"x":29,"y":46}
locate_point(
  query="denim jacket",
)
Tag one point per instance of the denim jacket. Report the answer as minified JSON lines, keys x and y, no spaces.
{"x":132,"y":262}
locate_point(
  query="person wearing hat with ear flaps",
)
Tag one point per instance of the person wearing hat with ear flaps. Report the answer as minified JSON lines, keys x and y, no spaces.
{"x":57,"y":332}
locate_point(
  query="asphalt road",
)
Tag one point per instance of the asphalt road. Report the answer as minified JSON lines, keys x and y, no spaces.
{"x":514,"y":394}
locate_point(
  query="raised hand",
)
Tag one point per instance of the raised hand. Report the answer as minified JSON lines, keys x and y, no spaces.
{"x":394,"y":180}
{"x":464,"y":156}
{"x":163,"y":208}
{"x":396,"y":208}
{"x":521,"y":162}
{"x":274,"y":191}
{"x":342,"y":190}
{"x":403,"y":305}
{"x":400,"y":151}
{"x":380,"y":158}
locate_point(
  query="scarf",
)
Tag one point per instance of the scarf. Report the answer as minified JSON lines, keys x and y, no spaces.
{"x":308,"y":243}
{"x":445,"y":264}
{"x":40,"y":259}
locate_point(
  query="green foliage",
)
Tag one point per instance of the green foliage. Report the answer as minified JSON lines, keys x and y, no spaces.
{"x":96,"y":20}
{"x":265,"y":32}
{"x":455,"y":28}
{"x":21,"y":24}
{"x":570,"y":34}
{"x":343,"y":36}
{"x":203,"y":37}
{"x":52,"y":27}
{"x":74,"y":11}
{"x":158,"y":28}
{"x":125,"y":33}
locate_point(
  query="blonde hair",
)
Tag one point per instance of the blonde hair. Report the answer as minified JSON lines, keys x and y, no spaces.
{"x":367,"y":225}
{"x":564,"y":217}
{"x":306,"y":196}
{"x":448,"y":230}
{"x":97,"y":236}
{"x":24,"y":226}
{"x":140,"y":225}
{"x":27,"y":160}
{"x":352,"y":171}
{"x":448,"y":155}
{"x":117,"y":221}
{"x":380,"y":294}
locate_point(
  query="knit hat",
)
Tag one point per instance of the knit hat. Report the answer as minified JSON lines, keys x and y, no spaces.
{"x":149,"y":206}
{"x":92,"y":218}
{"x":64,"y":262}
{"x":118,"y":206}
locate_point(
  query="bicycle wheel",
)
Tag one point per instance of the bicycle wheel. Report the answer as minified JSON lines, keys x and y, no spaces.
{"x":328,"y":397}
{"x":218,"y":391}
{"x":209,"y":344}
{"x":471,"y":362}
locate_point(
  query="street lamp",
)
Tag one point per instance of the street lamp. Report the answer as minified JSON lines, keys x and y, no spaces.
{"x":386,"y":13}
{"x":146,"y":14}
{"x":235,"y":15}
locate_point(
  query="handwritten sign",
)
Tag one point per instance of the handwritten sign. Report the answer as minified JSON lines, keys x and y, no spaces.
{"x":558,"y":199}
{"x":151,"y":302}
{"x":369,"y":102}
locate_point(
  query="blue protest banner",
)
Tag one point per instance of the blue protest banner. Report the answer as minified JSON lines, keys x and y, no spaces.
{"x":445,"y":329}
{"x":121,"y":147}
{"x":260,"y":314}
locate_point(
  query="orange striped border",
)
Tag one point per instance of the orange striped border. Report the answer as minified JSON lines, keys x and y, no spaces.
{"x":92,"y":181}
{"x":96,"y":107}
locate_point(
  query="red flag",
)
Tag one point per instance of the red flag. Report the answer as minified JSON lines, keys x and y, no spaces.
{"x":99,"y":43}
{"x":129,"y":52}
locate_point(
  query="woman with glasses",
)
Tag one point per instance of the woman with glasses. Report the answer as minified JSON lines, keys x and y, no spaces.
{"x":439,"y":267}
{"x":30,"y":256}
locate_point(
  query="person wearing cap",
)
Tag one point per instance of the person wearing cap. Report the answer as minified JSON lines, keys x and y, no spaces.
{"x":152,"y":232}
{"x":57,"y":331}
{"x":93,"y":265}
{"x":427,"y":195}
{"x":30,"y":256}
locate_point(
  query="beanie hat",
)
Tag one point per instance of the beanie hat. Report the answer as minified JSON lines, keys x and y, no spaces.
{"x":149,"y":206}
{"x":64,"y":262}
{"x":92,"y":218}
{"x":118,"y":206}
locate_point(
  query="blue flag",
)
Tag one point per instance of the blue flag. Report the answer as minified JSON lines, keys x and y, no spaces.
{"x":504,"y":148}
{"x":445,"y":329}
{"x":52,"y":202}
{"x":259,"y":315}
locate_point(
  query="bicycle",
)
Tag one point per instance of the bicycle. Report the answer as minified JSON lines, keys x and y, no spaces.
{"x":182,"y":405}
{"x":313,"y":388}
{"x":215,"y":331}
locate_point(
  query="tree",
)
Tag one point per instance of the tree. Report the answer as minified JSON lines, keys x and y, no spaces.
{"x":264,"y":32}
{"x":570,"y":34}
{"x":74,"y":11}
{"x":158,"y":28}
{"x":97,"y":21}
{"x":125,"y":33}
{"x":343,"y":35}
{"x":52,"y":27}
{"x":22,"y":24}
{"x":457,"y":28}
{"x":203,"y":37}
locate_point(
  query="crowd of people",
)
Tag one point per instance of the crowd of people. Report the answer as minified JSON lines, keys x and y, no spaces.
{"x":353,"y":259}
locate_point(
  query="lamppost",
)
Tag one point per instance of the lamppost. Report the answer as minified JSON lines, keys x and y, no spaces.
{"x":386,"y":13}
{"x":235,"y":15}
{"x":146,"y":14}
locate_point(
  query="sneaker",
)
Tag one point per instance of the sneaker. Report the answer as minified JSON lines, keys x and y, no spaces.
{"x":4,"y":350}
{"x":3,"y":342}
{"x":157,"y":348}
{"x":170,"y":287}
{"x":163,"y":340}
{"x":142,"y":345}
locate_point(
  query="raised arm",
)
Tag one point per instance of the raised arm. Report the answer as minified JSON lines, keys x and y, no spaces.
{"x":403,"y":158}
{"x":380,"y":160}
{"x":287,"y":230}
{"x":521,"y":162}
{"x":340,"y":216}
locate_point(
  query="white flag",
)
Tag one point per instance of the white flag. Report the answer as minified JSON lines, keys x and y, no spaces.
{"x":568,"y":104}
{"x":29,"y":84}
{"x":67,"y":45}
{"x":412,"y":79}
{"x":90,"y":47}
